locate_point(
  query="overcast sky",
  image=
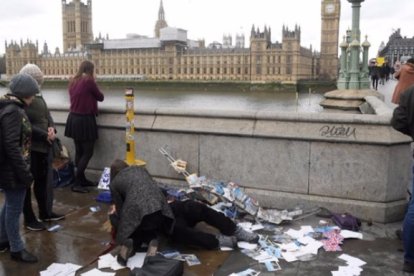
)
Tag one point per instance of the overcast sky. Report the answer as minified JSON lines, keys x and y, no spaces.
{"x":209,"y":19}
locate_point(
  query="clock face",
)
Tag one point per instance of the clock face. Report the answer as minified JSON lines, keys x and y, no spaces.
{"x":329,"y":8}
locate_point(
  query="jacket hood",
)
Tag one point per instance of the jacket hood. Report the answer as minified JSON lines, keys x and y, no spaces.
{"x":10,"y":99}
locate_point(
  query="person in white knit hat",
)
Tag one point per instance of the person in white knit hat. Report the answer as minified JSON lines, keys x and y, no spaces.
{"x":44,"y":133}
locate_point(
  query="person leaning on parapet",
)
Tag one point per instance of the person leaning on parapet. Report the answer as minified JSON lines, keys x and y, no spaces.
{"x":81,"y":122}
{"x":403,"y":121}
{"x":41,"y":160}
{"x":16,"y":178}
{"x":405,"y":77}
{"x":141,"y":210}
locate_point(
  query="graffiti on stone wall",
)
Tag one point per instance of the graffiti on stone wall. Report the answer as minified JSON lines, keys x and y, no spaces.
{"x":332,"y":131}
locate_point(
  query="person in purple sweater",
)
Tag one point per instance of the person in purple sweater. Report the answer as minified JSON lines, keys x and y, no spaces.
{"x":81,"y":122}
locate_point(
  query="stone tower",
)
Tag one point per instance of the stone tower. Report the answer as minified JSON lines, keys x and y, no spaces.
{"x":76,"y":24}
{"x":161,"y":23}
{"x":330,"y":13}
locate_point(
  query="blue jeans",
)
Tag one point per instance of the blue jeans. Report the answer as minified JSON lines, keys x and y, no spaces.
{"x":408,"y":233}
{"x":9,"y":218}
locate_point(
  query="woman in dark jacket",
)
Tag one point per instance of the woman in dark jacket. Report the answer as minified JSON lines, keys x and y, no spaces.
{"x":15,"y":138}
{"x":40,"y":164}
{"x":81,"y":123}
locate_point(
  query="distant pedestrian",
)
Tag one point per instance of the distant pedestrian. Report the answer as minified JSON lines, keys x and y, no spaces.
{"x":16,"y":178}
{"x":405,"y":78}
{"x":374,"y":73}
{"x":44,"y":133}
{"x":81,"y":122}
{"x":403,"y":121}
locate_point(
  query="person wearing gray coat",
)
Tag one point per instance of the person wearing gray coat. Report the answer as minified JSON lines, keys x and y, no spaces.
{"x":141,"y":210}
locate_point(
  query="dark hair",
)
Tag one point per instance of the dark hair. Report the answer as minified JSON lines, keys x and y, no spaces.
{"x":410,"y":60}
{"x":86,"y":68}
{"x":117,"y":166}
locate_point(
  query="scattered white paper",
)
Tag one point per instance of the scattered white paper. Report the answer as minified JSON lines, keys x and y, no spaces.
{"x":347,"y":234}
{"x":137,"y":260}
{"x":289,"y":247}
{"x":97,"y":272}
{"x":289,"y":257}
{"x":246,"y":245}
{"x":352,"y":261}
{"x":67,"y":269}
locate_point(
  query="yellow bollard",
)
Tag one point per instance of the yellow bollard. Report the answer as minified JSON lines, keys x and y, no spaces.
{"x":130,"y":128}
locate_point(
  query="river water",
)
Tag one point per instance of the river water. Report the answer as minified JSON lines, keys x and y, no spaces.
{"x":216,"y":100}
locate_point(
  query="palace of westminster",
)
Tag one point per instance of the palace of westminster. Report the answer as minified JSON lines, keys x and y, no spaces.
{"x":170,"y":55}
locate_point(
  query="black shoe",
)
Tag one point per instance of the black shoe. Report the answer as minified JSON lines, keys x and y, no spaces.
{"x":88,"y":183}
{"x":126,"y":251}
{"x":408,"y":267}
{"x":35,"y":225}
{"x":80,"y":189}
{"x":4,"y":246}
{"x":53,"y":217}
{"x":23,"y":256}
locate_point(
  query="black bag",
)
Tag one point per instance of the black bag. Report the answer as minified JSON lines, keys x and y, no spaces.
{"x":346,"y":221}
{"x":159,"y":265}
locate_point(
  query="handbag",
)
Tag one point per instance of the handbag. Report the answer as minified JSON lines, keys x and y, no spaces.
{"x":158,"y":265}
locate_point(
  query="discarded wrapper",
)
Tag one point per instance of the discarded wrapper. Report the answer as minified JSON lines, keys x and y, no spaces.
{"x":105,"y":179}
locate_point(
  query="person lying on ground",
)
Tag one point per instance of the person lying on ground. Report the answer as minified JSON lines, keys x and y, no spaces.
{"x":141,"y":212}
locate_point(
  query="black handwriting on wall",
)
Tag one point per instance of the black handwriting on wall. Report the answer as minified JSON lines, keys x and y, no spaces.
{"x":337,"y":131}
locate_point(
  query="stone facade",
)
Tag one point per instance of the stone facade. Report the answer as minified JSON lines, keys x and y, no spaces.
{"x":397,"y":47}
{"x":169,"y":59}
{"x":76,"y":24}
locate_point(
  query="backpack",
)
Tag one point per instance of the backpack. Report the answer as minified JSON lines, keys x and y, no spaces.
{"x":63,"y":167}
{"x":346,"y":221}
{"x":63,"y":173}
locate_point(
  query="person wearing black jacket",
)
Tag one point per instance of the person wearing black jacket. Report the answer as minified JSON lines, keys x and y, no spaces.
{"x":15,"y":142}
{"x":403,"y":121}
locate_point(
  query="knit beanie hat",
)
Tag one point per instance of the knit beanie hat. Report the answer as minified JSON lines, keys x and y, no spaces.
{"x":23,"y":85}
{"x":34,"y":71}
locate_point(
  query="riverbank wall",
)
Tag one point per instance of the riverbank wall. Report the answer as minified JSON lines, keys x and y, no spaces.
{"x":346,"y":162}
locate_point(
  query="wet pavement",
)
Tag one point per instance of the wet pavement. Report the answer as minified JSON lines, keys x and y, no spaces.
{"x":83,"y":237}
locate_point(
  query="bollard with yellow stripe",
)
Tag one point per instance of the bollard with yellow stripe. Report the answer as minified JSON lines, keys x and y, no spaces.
{"x":130,"y":129}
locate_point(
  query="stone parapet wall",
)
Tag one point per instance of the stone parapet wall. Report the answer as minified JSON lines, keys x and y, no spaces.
{"x":345,"y":162}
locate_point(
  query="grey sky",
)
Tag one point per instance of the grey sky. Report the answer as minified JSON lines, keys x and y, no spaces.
{"x":209,"y":19}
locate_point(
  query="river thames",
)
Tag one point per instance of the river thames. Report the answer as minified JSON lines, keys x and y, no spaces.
{"x":189,"y":99}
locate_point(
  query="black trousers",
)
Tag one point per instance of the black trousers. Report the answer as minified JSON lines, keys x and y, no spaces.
{"x":39,"y":167}
{"x":84,"y":152}
{"x":150,"y":226}
{"x":188,"y":214}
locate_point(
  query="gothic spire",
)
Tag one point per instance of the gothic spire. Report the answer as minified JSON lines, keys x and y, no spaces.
{"x":161,"y":15}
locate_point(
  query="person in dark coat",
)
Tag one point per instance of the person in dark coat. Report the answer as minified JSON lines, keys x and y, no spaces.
{"x":142,"y":210}
{"x":403,"y":121}
{"x":16,"y":178}
{"x":81,"y":122}
{"x":41,"y":157}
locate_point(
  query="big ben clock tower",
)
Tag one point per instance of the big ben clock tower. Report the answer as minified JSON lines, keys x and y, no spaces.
{"x":330,"y":12}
